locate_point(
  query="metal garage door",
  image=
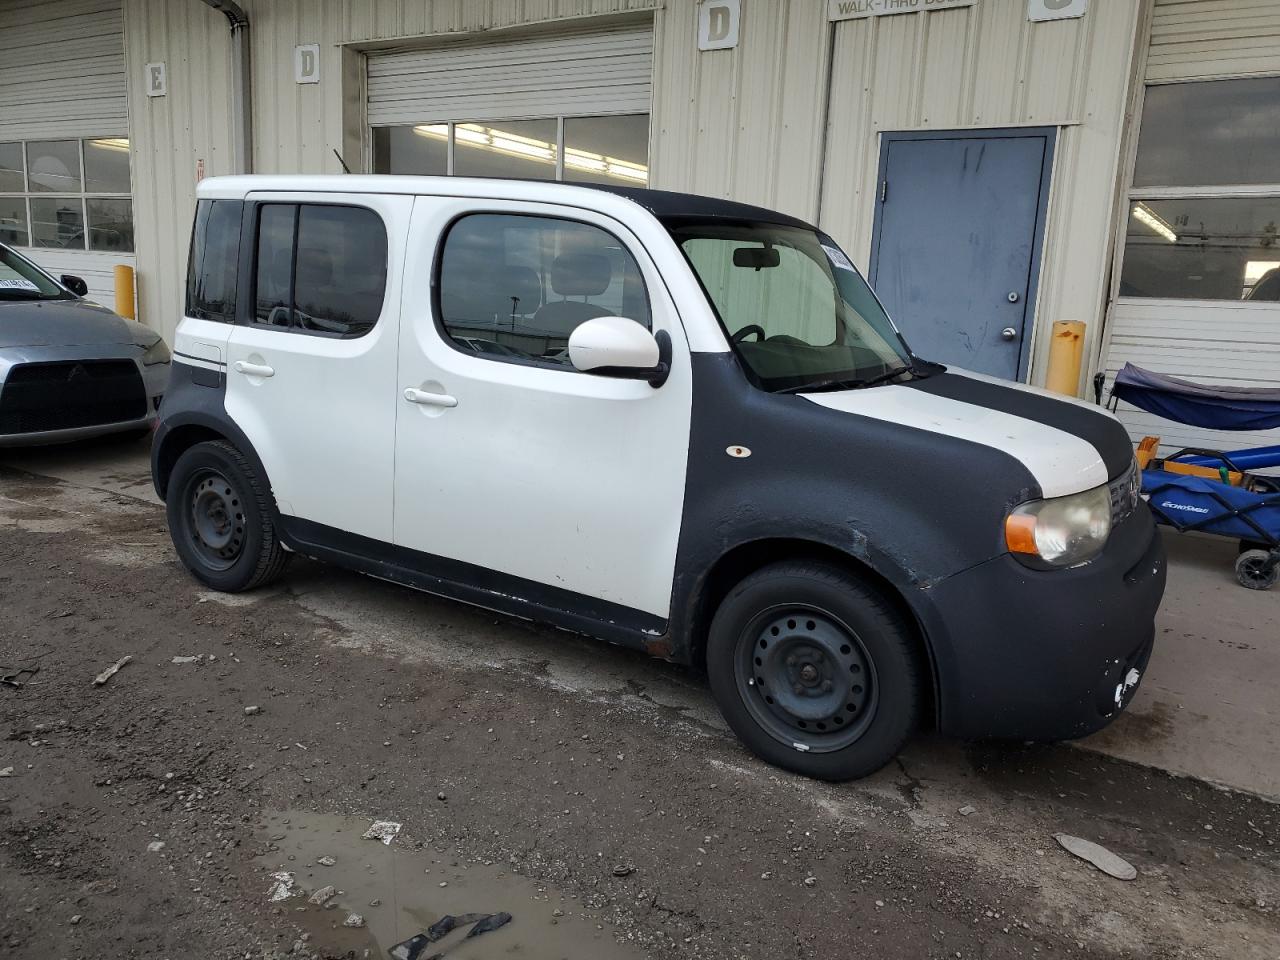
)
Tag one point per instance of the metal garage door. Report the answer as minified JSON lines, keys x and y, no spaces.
{"x":600,"y":70}
{"x":62,"y":72}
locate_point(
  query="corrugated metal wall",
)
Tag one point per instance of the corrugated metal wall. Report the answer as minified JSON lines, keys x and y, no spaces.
{"x":1222,"y":342}
{"x":988,"y":66}
{"x":169,"y":135}
{"x":1213,"y":38}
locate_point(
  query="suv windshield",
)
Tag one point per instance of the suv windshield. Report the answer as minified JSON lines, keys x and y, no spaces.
{"x":20,"y":279}
{"x":797,"y":312}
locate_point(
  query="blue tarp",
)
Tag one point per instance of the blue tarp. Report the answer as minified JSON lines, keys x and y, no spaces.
{"x":1218,"y":408}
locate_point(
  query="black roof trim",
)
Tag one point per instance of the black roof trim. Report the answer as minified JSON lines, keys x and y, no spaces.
{"x":666,"y":204}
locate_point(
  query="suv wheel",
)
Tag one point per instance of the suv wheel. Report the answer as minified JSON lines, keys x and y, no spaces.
{"x":814,"y":670}
{"x":221,"y":519}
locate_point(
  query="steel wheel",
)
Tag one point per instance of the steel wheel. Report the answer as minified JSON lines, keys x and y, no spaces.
{"x":217,"y":522}
{"x":805,"y":676}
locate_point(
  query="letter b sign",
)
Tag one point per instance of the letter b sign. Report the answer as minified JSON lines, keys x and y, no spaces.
{"x":718,"y":24}
{"x":1040,"y":10}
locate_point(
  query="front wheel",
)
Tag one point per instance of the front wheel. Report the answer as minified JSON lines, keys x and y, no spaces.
{"x":814,"y":670}
{"x":222,"y":519}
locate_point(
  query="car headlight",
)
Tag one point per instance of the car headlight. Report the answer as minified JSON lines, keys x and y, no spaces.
{"x":1062,"y":531}
{"x":156,"y":353}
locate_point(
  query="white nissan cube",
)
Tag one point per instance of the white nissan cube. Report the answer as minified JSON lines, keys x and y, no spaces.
{"x":674,"y":423}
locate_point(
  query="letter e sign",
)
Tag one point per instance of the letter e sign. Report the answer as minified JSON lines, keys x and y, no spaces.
{"x":155,"y":79}
{"x":306,"y":63}
{"x":1040,"y":10}
{"x":718,"y":24}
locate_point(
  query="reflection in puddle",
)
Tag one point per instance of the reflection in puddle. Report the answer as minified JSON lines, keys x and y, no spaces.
{"x":398,"y":893}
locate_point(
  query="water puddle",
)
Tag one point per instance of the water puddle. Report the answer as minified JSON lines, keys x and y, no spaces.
{"x":398,"y":892}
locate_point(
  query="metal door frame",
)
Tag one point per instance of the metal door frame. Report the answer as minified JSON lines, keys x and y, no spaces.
{"x":1050,"y":136}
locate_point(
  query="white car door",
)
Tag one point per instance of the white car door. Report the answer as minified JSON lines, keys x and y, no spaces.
{"x":523,"y":465}
{"x":312,"y":379}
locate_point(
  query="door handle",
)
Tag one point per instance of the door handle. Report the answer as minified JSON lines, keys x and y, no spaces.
{"x":1009,"y":333}
{"x":414,"y":395}
{"x":254,"y":369}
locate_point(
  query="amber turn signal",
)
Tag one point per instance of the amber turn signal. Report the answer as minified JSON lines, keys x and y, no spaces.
{"x":1020,"y":534}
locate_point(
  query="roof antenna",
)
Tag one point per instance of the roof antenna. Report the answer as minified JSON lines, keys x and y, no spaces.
{"x":345,"y":168}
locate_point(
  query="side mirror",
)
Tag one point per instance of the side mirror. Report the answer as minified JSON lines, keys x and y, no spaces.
{"x":75,"y":285}
{"x":619,"y":347}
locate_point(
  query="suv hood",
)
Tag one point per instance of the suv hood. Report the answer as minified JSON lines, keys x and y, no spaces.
{"x":64,"y":323}
{"x":1066,"y":445}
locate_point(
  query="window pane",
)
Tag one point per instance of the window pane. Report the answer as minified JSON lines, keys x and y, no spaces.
{"x":13,"y":221}
{"x":275,"y":263}
{"x":515,"y":287}
{"x":607,"y":150}
{"x":11,"y":179}
{"x":53,"y":166}
{"x":422,"y":150}
{"x":106,"y":165}
{"x":215,"y":251}
{"x":57,"y":222}
{"x":110,"y":224}
{"x":1212,"y":132}
{"x":341,"y":272}
{"x":1207,"y":249}
{"x":506,"y":148}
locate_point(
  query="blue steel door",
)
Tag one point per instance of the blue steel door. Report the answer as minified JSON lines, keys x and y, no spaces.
{"x":956,"y":250}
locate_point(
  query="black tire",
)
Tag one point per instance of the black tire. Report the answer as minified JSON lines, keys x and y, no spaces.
{"x":820,"y":638}
{"x":222,"y":519}
{"x":1257,"y":570}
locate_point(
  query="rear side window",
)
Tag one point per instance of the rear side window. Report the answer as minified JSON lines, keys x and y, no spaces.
{"x":212,"y":265}
{"x":319,"y":268}
{"x":514,"y":287}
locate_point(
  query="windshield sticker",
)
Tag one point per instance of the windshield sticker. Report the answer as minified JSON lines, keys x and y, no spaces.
{"x":21,"y":283}
{"x":838,"y":259}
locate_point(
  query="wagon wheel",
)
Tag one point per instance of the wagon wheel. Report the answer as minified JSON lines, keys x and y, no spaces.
{"x":1258,"y":569}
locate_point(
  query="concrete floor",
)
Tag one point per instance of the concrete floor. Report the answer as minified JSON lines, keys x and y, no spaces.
{"x":1209,"y":706}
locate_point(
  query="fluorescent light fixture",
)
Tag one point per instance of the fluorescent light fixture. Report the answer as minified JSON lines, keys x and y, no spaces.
{"x":112,"y":143}
{"x":513,"y":144}
{"x":1255,"y":269}
{"x":1149,"y":218}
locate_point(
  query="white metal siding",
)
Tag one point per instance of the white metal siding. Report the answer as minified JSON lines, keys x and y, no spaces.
{"x":62,"y":69}
{"x":586,"y":71}
{"x":1213,"y":38}
{"x":988,"y":66}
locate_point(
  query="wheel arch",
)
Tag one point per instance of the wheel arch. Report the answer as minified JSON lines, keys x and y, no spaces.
{"x":176,"y":437}
{"x":740,"y":561}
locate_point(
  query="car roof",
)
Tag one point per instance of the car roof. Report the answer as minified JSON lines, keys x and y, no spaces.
{"x":663,"y":204}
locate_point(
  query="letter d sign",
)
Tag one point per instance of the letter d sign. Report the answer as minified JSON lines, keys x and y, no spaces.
{"x":1040,"y":10}
{"x":718,"y":24}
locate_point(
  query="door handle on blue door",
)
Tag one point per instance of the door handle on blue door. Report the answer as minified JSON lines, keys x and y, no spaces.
{"x":414,"y":395}
{"x":254,"y":369}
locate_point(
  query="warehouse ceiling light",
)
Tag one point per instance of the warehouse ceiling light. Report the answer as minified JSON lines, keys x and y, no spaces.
{"x":1148,"y":217}
{"x":514,"y":145}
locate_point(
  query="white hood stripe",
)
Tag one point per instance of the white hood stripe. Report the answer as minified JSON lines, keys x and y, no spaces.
{"x":1060,"y":462}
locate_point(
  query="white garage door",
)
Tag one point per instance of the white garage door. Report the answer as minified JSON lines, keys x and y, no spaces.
{"x":600,"y":70}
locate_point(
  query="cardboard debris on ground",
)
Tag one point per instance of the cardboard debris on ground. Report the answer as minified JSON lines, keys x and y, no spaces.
{"x":1100,"y":857}
{"x":384,"y":830}
{"x":111,"y":671}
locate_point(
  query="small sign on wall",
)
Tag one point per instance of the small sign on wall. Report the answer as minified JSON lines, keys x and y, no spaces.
{"x":718,"y":22}
{"x":306,"y":63}
{"x":156,"y":81}
{"x":1040,"y":10}
{"x":857,"y":9}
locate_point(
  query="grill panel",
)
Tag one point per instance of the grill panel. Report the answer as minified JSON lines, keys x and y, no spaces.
{"x":1125,"y":491}
{"x":36,"y":397}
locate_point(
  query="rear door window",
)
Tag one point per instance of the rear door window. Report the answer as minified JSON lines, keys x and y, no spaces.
{"x":319,"y":268}
{"x":212,"y":265}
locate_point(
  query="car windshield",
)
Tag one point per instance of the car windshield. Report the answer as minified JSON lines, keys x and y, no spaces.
{"x":799,"y":315}
{"x":20,"y":279}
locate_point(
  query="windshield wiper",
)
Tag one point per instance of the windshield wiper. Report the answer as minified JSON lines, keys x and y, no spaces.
{"x":848,"y":383}
{"x":14,"y":294}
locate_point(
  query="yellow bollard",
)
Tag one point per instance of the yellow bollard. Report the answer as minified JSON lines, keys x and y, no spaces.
{"x":1066,"y":353}
{"x":124,"y":292}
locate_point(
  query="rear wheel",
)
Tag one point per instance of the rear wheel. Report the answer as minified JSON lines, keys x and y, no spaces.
{"x":221,"y":519}
{"x":814,"y":670}
{"x":1257,"y":569}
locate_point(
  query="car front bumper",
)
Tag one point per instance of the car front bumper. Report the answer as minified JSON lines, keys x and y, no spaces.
{"x":1048,"y":655}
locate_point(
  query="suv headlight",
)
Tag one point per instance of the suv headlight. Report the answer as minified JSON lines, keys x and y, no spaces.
{"x":1062,"y":531}
{"x":158,"y":352}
